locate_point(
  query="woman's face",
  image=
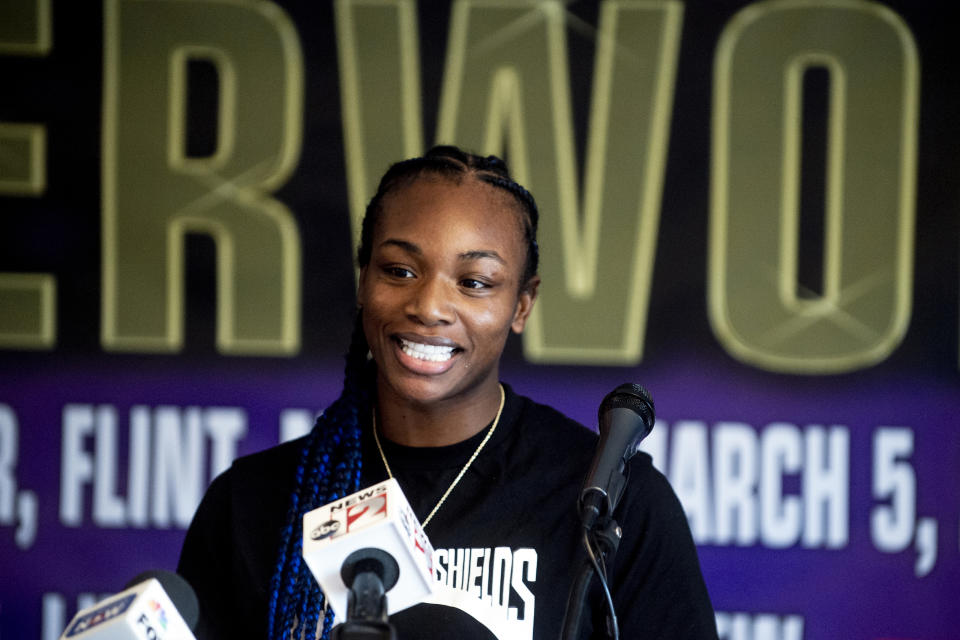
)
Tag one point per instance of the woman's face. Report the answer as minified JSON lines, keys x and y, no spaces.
{"x":442,"y":290}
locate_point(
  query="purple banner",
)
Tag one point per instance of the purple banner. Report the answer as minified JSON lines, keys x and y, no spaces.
{"x":790,"y":300}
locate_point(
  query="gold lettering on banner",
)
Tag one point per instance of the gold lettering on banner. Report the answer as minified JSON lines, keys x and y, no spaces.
{"x":594,"y":305}
{"x":28,"y":310}
{"x":27,"y":300}
{"x":517,"y":103}
{"x":23,"y":166}
{"x":26,"y":27}
{"x":379,"y":60}
{"x":154,"y":194}
{"x":864,"y":308}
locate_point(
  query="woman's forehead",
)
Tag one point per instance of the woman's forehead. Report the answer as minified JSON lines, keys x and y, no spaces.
{"x":469,"y":217}
{"x":462,"y":199}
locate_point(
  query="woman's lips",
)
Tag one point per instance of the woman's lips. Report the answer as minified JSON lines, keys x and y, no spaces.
{"x":424,"y":357}
{"x":422,"y":351}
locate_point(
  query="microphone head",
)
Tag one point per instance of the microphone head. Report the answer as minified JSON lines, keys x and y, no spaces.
{"x":629,"y":395}
{"x":371,"y":559}
{"x":179,"y":591}
{"x":625,"y":417}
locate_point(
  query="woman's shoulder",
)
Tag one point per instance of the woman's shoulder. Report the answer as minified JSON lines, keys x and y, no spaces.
{"x":280,"y":456}
{"x":259,"y":475}
{"x":532,"y":413}
{"x":545,"y":433}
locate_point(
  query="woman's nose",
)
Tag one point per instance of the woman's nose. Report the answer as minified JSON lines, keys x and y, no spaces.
{"x":431,"y":302}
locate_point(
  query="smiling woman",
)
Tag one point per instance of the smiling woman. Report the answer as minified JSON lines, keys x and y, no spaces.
{"x":443,"y":289}
{"x":448,"y":269}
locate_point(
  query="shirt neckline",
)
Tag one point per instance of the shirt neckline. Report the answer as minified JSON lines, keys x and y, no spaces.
{"x":454,"y":455}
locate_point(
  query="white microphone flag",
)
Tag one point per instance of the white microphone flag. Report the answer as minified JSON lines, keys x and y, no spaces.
{"x":142,"y":612}
{"x":379,"y":517}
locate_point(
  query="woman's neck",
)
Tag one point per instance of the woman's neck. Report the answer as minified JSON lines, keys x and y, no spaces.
{"x":436,"y":424}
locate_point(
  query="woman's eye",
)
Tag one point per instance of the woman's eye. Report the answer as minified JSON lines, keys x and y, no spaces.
{"x":472,"y":283}
{"x":398,"y":272}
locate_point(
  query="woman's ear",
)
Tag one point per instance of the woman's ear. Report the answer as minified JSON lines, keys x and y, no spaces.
{"x":528,"y":295}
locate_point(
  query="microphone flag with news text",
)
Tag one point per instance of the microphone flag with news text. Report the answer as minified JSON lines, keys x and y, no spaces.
{"x":378,"y":517}
{"x":155,"y":604}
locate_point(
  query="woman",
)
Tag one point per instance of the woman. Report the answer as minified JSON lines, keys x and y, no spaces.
{"x":448,"y":269}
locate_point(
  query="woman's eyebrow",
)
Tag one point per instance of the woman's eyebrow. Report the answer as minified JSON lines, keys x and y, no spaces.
{"x":403,"y":244}
{"x":478,"y":254}
{"x":414,"y":248}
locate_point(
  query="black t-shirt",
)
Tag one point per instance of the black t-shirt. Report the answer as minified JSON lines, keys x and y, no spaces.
{"x":507,"y":539}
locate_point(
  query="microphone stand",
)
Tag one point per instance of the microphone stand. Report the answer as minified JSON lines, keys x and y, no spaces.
{"x":369,"y":573}
{"x":606,"y":535}
{"x":625,"y":417}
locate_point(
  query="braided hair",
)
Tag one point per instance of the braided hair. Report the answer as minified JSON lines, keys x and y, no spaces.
{"x":330,"y":462}
{"x":454,"y":164}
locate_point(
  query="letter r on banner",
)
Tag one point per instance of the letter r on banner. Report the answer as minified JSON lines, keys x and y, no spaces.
{"x":153,"y":193}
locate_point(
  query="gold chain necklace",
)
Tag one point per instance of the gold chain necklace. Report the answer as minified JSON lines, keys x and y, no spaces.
{"x":386,"y":465}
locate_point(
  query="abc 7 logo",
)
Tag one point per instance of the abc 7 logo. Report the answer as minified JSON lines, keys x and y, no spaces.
{"x":325,"y":530}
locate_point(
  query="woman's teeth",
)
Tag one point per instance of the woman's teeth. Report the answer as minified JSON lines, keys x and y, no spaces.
{"x":431,"y":352}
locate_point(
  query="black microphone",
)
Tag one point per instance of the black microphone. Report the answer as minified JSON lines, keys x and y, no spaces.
{"x":369,"y":573}
{"x":626,"y":416}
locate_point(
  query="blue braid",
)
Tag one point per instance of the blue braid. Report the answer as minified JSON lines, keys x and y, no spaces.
{"x":329,"y":468}
{"x":280,"y":571}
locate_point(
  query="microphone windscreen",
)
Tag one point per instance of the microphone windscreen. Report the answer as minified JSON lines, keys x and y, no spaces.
{"x":629,"y":395}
